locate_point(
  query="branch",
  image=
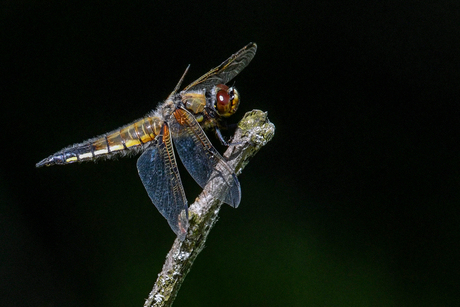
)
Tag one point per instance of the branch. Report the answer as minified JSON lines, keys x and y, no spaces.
{"x":253,"y":132}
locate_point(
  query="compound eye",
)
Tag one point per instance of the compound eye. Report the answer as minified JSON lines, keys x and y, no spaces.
{"x":227,"y":100}
{"x":223,"y":99}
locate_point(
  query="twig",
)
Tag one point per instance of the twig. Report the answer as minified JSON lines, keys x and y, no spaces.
{"x":253,"y":132}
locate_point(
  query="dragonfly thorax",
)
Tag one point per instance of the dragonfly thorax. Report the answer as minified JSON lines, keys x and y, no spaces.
{"x":194,"y":101}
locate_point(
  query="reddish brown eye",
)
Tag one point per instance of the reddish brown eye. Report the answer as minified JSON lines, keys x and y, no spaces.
{"x":222,"y":98}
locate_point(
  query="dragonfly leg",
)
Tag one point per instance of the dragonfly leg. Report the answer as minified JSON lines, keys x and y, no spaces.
{"x":221,"y":137}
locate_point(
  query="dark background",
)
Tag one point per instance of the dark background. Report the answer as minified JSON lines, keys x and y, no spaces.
{"x":353,"y":203}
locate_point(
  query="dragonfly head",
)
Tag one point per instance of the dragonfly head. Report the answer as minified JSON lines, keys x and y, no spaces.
{"x":227,"y":100}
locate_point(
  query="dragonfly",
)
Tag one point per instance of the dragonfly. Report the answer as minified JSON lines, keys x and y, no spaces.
{"x":179,"y":122}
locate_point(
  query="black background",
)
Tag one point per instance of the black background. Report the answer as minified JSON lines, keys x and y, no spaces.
{"x":353,"y":203}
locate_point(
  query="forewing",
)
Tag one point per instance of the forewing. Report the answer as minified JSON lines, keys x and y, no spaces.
{"x":201,"y":159}
{"x":157,"y":168}
{"x":227,"y":70}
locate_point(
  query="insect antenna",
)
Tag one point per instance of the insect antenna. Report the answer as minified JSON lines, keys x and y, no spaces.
{"x":180,"y":81}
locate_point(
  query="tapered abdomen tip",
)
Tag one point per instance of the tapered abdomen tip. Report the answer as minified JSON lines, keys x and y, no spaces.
{"x":51,"y":160}
{"x":42,"y":163}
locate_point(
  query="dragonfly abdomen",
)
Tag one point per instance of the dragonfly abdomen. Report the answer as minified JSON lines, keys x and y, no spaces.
{"x":118,"y":142}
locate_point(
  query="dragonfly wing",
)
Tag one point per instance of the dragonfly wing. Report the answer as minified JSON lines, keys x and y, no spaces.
{"x":157,"y":168}
{"x":227,"y":70}
{"x":201,"y":159}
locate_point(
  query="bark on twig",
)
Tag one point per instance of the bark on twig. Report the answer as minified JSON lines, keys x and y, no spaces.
{"x":253,"y":132}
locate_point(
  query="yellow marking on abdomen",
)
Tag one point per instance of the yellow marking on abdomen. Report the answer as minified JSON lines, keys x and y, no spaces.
{"x":142,"y":131}
{"x":70,"y":160}
{"x":103,"y":151}
{"x":115,"y":142}
{"x":87,"y":155}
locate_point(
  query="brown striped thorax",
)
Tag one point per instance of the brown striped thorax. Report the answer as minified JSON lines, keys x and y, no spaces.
{"x":177,"y":122}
